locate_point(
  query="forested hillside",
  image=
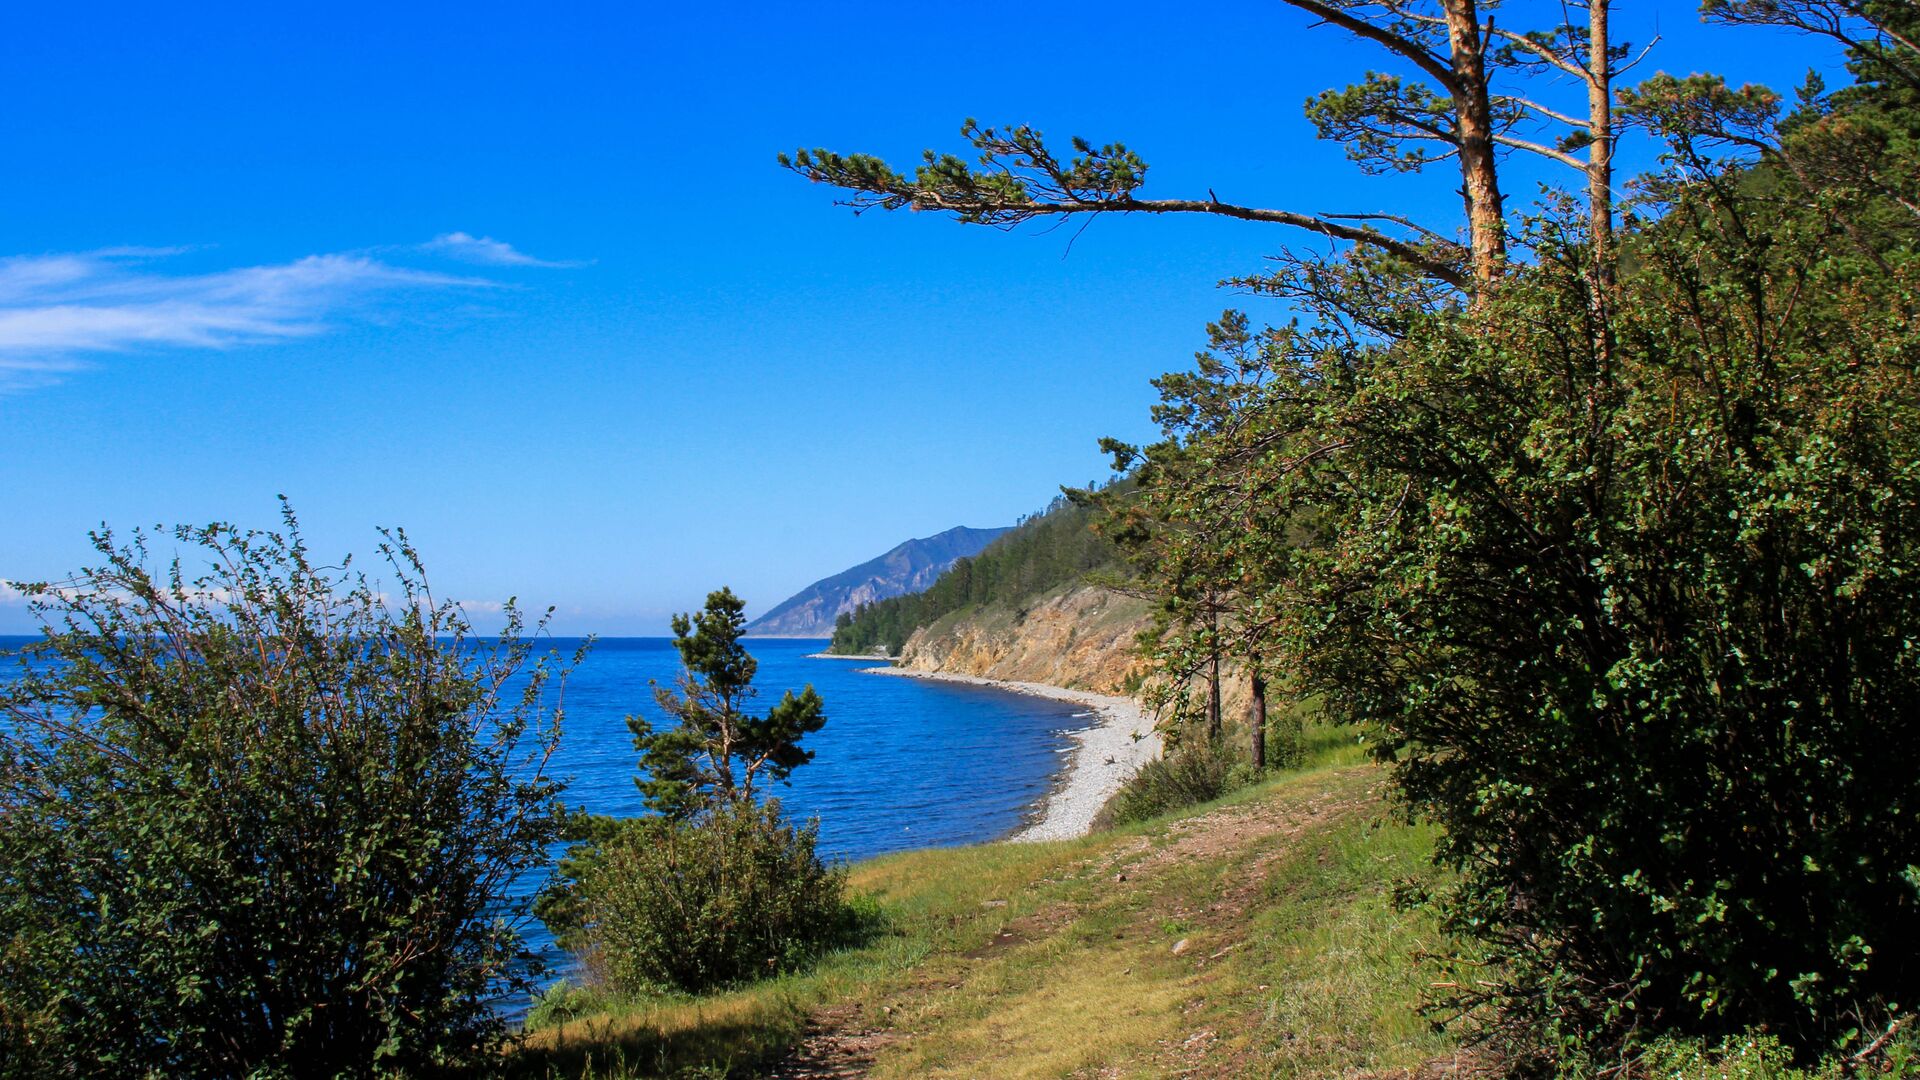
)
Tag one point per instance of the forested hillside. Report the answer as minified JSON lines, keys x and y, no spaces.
{"x":1053,"y":548}
{"x":908,"y":568}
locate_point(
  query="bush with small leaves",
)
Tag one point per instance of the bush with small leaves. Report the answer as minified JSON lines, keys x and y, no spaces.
{"x":733,"y":894}
{"x":263,"y":822}
{"x":1196,"y":771}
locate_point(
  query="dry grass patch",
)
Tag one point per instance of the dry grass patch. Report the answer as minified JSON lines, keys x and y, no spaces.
{"x":1026,"y":1019}
{"x":728,"y":1034}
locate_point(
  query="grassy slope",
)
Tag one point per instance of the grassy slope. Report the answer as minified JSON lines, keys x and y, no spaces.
{"x":1059,"y":959}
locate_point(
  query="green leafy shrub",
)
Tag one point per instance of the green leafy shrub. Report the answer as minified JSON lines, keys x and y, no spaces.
{"x":733,"y":894}
{"x":1195,"y":771}
{"x":261,"y":822}
{"x":561,"y":1002}
{"x":1753,"y":1056}
{"x":1756,"y":1057}
{"x":1666,"y":720}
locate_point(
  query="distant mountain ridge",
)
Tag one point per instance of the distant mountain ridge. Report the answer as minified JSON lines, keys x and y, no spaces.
{"x":1055,"y":549}
{"x":909,"y":568}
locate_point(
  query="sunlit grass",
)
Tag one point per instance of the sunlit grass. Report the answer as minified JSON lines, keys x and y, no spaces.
{"x":1022,"y":960}
{"x":1341,"y":960}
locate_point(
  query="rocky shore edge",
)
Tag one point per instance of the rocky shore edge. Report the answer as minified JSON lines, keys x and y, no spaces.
{"x":1105,"y":755}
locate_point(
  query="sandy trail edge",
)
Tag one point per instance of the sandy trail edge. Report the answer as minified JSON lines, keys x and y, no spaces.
{"x":1108,"y":752}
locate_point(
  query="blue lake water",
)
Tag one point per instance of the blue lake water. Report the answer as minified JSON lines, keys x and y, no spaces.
{"x":901,"y":763}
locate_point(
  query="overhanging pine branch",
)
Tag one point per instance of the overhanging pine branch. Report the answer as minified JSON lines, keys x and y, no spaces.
{"x":1548,"y":152}
{"x":1551,"y":114}
{"x":1426,"y":260}
{"x":1438,"y":69}
{"x":1544,"y":52}
{"x":1398,"y":219}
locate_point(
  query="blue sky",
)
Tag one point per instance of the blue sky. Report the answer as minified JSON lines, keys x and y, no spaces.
{"x":526,"y":280}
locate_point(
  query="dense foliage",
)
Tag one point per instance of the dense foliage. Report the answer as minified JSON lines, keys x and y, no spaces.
{"x":1623,"y":571}
{"x":1639,"y":631}
{"x":735,"y":894}
{"x":259,"y":822}
{"x":1054,"y":548}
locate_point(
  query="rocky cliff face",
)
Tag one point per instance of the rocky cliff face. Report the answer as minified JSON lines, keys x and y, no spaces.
{"x":909,"y":568}
{"x":1080,"y":637}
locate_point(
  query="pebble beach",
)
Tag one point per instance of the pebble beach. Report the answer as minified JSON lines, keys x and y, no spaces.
{"x":1105,"y":754}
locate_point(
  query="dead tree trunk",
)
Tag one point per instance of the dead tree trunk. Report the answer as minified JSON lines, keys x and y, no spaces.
{"x":1257,"y":718}
{"x":1213,"y":673}
{"x":1600,"y":150}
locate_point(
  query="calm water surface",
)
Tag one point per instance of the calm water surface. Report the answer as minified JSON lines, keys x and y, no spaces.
{"x":901,"y":763}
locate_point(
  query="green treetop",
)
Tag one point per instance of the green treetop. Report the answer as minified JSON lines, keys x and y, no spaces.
{"x":718,"y":752}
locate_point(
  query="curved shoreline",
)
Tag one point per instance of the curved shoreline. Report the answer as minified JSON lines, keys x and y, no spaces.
{"x":1106,"y":753}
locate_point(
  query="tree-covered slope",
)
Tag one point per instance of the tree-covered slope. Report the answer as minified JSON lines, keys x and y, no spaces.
{"x":908,"y":568}
{"x":1050,"y":549}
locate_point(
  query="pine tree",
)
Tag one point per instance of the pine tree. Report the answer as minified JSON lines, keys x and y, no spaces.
{"x":719,"y":752}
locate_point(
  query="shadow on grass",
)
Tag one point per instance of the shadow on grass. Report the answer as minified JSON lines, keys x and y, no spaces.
{"x":735,"y":1032}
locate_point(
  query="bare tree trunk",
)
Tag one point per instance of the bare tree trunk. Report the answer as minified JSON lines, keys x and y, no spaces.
{"x":1479,"y":175}
{"x":1213,"y":699}
{"x":1213,"y":674}
{"x":1600,"y":203}
{"x":1600,"y":151}
{"x":723,"y":769}
{"x":1258,"y":719}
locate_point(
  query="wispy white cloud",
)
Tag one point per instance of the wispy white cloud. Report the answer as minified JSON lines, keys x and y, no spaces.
{"x":395,"y":602}
{"x":485,"y":251}
{"x":482,"y":607}
{"x":56,"y":309}
{"x":137,"y":251}
{"x":15,"y":594}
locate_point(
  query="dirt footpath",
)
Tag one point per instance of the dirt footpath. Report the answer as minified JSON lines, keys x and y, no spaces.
{"x":1152,"y":880}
